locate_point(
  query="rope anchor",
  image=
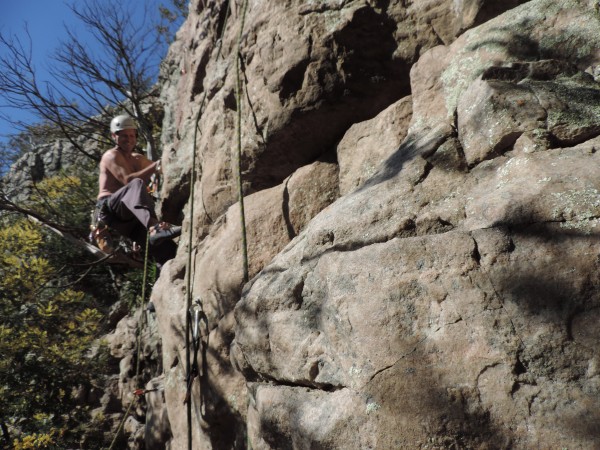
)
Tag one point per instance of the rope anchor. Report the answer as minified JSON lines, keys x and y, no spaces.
{"x":140,"y":392}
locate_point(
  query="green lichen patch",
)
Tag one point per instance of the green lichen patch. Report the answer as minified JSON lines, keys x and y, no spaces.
{"x":576,"y":205}
{"x":545,"y":29}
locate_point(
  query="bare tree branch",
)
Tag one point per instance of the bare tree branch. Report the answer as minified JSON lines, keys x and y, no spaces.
{"x":8,"y":205}
{"x":86,"y":85}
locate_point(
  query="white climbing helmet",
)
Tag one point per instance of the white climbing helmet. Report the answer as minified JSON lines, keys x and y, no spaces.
{"x":122,"y":122}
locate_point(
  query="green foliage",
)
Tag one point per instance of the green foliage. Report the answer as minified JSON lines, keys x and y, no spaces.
{"x":66,"y":199}
{"x":51,"y":317}
{"x":20,"y":268}
{"x":36,"y":441}
{"x":44,"y":337}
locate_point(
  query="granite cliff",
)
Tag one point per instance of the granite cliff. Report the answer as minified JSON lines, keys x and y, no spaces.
{"x":421,"y":202}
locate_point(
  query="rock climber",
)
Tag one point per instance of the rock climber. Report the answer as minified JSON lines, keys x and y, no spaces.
{"x":124,"y":203}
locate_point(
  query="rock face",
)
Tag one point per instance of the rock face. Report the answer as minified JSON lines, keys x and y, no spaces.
{"x":421,"y":209}
{"x":45,"y":160}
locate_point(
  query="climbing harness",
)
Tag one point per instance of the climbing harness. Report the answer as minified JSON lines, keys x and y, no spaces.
{"x":118,"y":247}
{"x":100,"y":234}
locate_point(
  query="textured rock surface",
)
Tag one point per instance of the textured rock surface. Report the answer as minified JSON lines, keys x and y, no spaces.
{"x":366,"y":144}
{"x":45,"y":160}
{"x":432,"y":285}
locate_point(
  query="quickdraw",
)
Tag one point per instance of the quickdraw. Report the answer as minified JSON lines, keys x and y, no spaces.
{"x":154,"y":186}
{"x":195,"y":317}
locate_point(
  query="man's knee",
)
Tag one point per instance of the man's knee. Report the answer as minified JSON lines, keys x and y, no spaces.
{"x":136,"y":188}
{"x":136,"y":182}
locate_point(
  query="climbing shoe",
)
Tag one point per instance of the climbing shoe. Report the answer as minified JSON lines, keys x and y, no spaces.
{"x":163,"y":231}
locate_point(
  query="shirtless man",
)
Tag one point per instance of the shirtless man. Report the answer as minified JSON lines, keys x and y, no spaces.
{"x":123,"y":201}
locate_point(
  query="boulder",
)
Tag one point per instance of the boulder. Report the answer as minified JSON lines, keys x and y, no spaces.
{"x":273,"y":217}
{"x":311,"y":71}
{"x":433,"y":285}
{"x":545,"y":98}
{"x":368,"y":144}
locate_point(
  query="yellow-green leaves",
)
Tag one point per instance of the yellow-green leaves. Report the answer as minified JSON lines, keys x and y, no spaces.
{"x":21,"y":269}
{"x":46,"y":330}
{"x":35,"y":441}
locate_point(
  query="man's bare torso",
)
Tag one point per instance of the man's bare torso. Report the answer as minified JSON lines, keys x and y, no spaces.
{"x":108,"y":182}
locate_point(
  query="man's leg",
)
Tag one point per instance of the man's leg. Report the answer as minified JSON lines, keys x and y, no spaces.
{"x":133,"y":202}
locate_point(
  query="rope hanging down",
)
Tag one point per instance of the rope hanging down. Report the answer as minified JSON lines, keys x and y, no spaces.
{"x":196,"y":315}
{"x":188,"y":329}
{"x":138,"y":346}
{"x":238,"y":98}
{"x":188,"y":289}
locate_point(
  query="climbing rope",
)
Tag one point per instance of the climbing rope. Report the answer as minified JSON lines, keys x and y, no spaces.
{"x":121,"y":424}
{"x":195,"y":315}
{"x":189,"y":276}
{"x":189,"y":281}
{"x":238,"y":98}
{"x":140,"y":327}
{"x":192,"y":366}
{"x":142,"y":319}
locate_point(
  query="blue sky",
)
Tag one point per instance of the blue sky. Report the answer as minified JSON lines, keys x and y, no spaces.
{"x":45,"y":20}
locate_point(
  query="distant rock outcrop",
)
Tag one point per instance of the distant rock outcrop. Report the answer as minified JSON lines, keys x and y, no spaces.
{"x":422,"y":207}
{"x":43,"y":161}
